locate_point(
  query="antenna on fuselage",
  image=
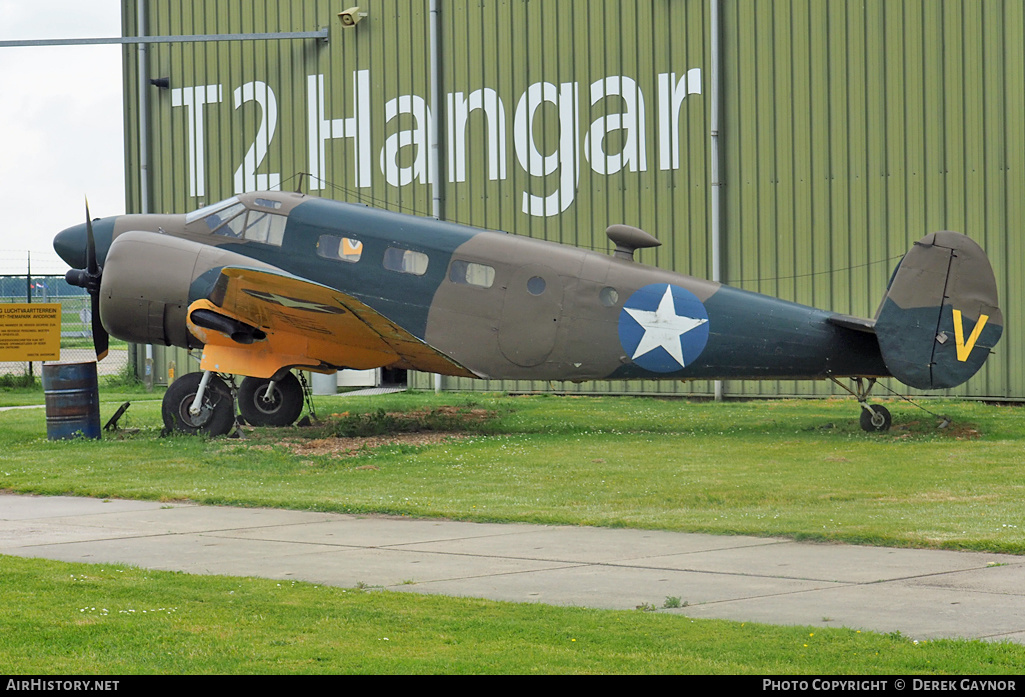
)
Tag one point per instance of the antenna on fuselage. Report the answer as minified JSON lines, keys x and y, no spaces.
{"x":299,"y":187}
{"x":628,"y":238}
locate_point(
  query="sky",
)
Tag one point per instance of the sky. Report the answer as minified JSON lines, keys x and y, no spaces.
{"x":61,"y":128}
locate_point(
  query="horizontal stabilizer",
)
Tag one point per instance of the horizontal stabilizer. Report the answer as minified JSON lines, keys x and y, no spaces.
{"x":856,"y":323}
{"x":940,"y":317}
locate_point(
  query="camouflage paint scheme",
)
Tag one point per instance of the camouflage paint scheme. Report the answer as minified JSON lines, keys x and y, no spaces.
{"x":591,"y":316}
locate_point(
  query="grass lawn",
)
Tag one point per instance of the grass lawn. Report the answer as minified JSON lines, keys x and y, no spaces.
{"x":77,"y":619}
{"x":797,"y":468}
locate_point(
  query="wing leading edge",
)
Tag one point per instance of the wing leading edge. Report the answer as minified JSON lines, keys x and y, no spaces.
{"x":292,"y":322}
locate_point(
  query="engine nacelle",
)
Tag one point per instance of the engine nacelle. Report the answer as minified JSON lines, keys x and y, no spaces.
{"x":149,"y":281}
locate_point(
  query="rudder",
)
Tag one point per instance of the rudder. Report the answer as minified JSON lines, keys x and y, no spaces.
{"x":940,"y":317}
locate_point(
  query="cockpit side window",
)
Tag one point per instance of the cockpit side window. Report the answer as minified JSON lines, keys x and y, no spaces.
{"x":268,"y":228}
{"x":233,"y":226}
{"x":232,"y":218}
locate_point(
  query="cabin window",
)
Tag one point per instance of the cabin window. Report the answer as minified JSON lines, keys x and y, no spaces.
{"x":470,"y":273}
{"x":608,"y":296}
{"x":536,"y":285}
{"x":339,"y":248}
{"x":405,"y":261}
{"x":268,"y":228}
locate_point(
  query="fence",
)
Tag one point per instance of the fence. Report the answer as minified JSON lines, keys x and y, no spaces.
{"x":76,"y":316}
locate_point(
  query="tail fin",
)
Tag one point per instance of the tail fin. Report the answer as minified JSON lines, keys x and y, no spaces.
{"x":940,"y":316}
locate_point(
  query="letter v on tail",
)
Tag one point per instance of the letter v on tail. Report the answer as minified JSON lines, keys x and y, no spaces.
{"x":964,"y":349}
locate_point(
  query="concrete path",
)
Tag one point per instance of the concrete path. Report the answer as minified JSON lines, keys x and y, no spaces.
{"x":924,"y":594}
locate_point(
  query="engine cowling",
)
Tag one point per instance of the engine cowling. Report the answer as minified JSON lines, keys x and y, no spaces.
{"x":149,"y":281}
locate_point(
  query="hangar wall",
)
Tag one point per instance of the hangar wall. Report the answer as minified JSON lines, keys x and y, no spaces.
{"x":850,"y":130}
{"x":855,"y":128}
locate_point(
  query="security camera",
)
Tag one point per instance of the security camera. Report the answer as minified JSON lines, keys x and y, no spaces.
{"x":349,"y":17}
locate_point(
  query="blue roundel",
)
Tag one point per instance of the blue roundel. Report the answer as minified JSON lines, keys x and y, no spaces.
{"x":663,"y":328}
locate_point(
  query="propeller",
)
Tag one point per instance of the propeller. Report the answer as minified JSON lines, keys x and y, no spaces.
{"x":89,"y":278}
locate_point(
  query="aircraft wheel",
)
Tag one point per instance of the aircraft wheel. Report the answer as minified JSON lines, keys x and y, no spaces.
{"x":217,"y":411}
{"x":281,"y":408}
{"x":878,"y":420}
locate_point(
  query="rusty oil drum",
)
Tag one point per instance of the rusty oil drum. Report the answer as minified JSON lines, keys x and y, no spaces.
{"x":72,"y":400}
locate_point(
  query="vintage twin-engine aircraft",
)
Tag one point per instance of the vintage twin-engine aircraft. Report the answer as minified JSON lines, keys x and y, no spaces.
{"x":270,"y":281}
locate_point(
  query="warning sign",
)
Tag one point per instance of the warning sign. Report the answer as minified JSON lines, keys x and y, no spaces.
{"x":30,"y":332}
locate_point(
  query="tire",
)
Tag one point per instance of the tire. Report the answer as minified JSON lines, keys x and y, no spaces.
{"x":878,"y":420}
{"x":217,"y":413}
{"x":282,"y":409}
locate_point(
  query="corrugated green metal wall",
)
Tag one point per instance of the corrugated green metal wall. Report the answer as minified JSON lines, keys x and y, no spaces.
{"x":851,"y":129}
{"x":855,"y":128}
{"x":583,"y":49}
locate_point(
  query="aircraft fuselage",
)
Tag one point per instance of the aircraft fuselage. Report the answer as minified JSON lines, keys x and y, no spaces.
{"x":500,"y":305}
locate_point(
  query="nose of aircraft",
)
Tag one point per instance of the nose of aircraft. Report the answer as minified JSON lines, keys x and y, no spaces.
{"x":71,"y":244}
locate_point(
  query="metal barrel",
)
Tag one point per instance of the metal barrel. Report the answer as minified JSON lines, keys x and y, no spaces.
{"x":72,"y":400}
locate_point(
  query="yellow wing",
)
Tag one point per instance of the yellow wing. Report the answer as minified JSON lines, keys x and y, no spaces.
{"x":307,"y":325}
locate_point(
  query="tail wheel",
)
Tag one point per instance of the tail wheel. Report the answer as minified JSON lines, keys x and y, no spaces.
{"x":216,"y":412}
{"x":280,"y":406}
{"x":875,"y":418}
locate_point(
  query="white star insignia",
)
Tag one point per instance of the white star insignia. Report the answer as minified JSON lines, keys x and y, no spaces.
{"x":663,"y":327}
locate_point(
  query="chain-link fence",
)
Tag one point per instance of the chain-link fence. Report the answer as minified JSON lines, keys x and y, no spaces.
{"x":76,"y":315}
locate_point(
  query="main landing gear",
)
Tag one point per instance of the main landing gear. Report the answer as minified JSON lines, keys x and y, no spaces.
{"x":873,"y":417}
{"x":198,"y":403}
{"x":204,"y":403}
{"x":271,"y":402}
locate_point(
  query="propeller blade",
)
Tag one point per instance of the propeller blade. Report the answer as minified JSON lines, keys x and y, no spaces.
{"x":90,"y":249}
{"x":89,"y":278}
{"x":101,"y":340}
